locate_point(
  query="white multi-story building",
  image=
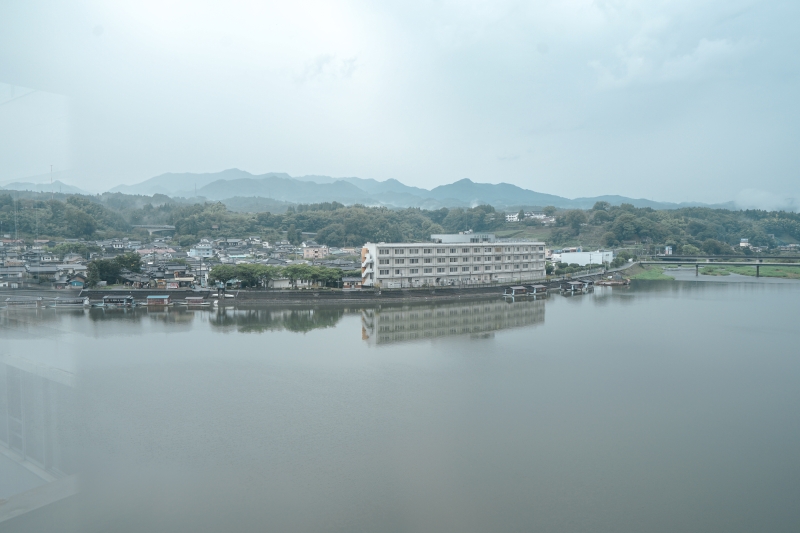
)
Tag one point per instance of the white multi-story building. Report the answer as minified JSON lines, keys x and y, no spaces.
{"x":203,"y":249}
{"x":459,"y":259}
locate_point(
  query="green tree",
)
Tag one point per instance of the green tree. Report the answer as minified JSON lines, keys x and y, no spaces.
{"x":129,"y":261}
{"x":79,"y":224}
{"x":714,"y":247}
{"x":298,"y":272}
{"x":688,"y":249}
{"x":609,"y":239}
{"x":222,"y":274}
{"x":574,"y":219}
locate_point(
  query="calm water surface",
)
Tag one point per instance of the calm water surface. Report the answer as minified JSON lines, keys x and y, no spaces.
{"x":668,"y":406}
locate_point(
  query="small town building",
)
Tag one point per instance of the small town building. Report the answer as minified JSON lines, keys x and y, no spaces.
{"x":350,"y":283}
{"x":597,"y":257}
{"x":161,"y":299}
{"x":312,"y":250}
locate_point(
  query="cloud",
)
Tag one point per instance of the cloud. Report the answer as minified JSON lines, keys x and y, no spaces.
{"x":760,"y":199}
{"x":639,"y":64}
{"x":327,"y":66}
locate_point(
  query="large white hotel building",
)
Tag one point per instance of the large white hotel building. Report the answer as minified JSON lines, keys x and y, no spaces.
{"x":451,"y":259}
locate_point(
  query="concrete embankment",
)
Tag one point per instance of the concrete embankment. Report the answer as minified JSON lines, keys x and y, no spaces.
{"x":311,"y":296}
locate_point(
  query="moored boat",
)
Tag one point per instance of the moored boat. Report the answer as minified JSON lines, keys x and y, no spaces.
{"x":22,"y":302}
{"x":71,"y":303}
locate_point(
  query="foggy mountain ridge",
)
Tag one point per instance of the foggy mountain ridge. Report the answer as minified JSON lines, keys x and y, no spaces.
{"x":57,"y":186}
{"x":282,"y":187}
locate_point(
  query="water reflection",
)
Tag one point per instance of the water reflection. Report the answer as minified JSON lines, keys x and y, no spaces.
{"x":36,"y":407}
{"x":386,"y":325}
{"x":258,"y":320}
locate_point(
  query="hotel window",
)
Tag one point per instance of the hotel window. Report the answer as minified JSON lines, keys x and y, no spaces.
{"x":498,"y":258}
{"x":427,"y":270}
{"x":399,"y":251}
{"x":383,"y":261}
{"x":414,"y":251}
{"x":465,"y":260}
{"x":439,"y":270}
{"x":440,"y":260}
{"x":440,"y":250}
{"x":477,"y":268}
{"x":476,"y":250}
{"x":464,"y":269}
{"x":414,"y":271}
{"x":465,"y":250}
{"x":384,"y":272}
{"x":498,"y":267}
{"x":453,"y":269}
{"x":454,"y":259}
{"x":487,"y":249}
{"x":397,"y":272}
{"x":487,"y":268}
{"x":428,"y":260}
{"x":541,"y":248}
{"x":524,"y":256}
{"x":427,"y":250}
{"x":524,"y":265}
{"x":399,"y":261}
{"x":508,"y":267}
{"x":452,"y":250}
{"x":414,"y":261}
{"x":516,"y":267}
{"x":383,"y":251}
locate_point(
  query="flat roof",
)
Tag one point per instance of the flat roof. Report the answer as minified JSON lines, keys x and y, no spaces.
{"x":159,"y":296}
{"x":445,"y":244}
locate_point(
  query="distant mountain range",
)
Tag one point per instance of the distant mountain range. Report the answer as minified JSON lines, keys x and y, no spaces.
{"x":282,"y":189}
{"x":57,"y":186}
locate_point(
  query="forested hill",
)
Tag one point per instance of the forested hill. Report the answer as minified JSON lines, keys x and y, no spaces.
{"x":278,"y":186}
{"x":113,"y":215}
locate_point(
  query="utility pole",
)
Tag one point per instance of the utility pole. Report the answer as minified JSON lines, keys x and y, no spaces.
{"x":16,"y":227}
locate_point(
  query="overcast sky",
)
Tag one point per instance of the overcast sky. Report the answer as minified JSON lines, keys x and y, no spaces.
{"x":669,"y":100}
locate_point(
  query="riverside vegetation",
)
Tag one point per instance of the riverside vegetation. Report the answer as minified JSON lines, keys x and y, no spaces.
{"x":690,"y":231}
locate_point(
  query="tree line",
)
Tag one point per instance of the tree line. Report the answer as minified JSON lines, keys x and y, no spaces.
{"x":251,"y":275}
{"x":691,"y":230}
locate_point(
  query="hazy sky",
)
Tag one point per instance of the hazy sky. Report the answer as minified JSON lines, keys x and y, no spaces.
{"x":670,"y":100}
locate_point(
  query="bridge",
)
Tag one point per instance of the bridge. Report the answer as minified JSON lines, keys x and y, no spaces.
{"x":706,"y":262}
{"x":154,"y":228}
{"x":754,"y":257}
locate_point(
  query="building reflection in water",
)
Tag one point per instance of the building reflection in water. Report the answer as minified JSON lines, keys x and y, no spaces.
{"x":413,"y":322}
{"x":36,"y":406}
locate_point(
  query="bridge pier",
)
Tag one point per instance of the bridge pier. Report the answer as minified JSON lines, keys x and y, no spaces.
{"x":696,"y":269}
{"x":757,"y":267}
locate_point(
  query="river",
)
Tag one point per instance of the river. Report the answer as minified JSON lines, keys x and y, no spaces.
{"x":662,"y":407}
